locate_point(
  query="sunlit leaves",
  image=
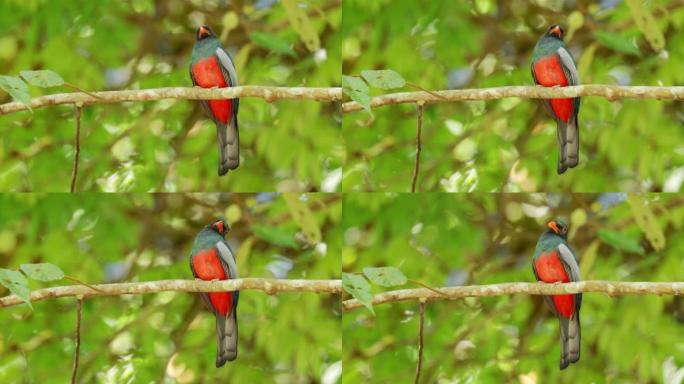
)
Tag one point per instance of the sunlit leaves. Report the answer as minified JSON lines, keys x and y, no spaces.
{"x":357,"y":90}
{"x":620,"y":240}
{"x":359,"y":288}
{"x":42,"y":78}
{"x":300,"y":22}
{"x":618,"y":42}
{"x":272,"y":42}
{"x":16,"y":88}
{"x":383,"y":79}
{"x":646,"y":220}
{"x":647,"y":24}
{"x":16,"y":283}
{"x":42,"y":271}
{"x":385,"y":276}
{"x":303,"y":217}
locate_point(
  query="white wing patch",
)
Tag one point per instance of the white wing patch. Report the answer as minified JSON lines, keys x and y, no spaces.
{"x":569,"y":259}
{"x":227,"y":256}
{"x":569,"y":63}
{"x":227,"y":63}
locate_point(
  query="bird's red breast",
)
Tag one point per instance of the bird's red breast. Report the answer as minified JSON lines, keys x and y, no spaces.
{"x":207,"y":266}
{"x":548,"y":72}
{"x":207,"y":74}
{"x":550,"y":270}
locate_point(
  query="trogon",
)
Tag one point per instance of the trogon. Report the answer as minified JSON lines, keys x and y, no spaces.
{"x":555,"y":262}
{"x":554,"y":66}
{"x":212,"y":67}
{"x":212,"y":259}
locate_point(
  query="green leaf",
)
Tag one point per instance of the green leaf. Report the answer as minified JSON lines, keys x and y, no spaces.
{"x":303,"y":217}
{"x":646,"y":220}
{"x":617,"y":42}
{"x":43,"y":78}
{"x":385,"y":276}
{"x":16,"y":88}
{"x":274,"y":235}
{"x":621,"y":241}
{"x":383,"y":79}
{"x":359,"y":288}
{"x":300,"y":22}
{"x":42,"y":271}
{"x":16,"y":283}
{"x":357,"y":90}
{"x":272,"y":43}
{"x":647,"y":24}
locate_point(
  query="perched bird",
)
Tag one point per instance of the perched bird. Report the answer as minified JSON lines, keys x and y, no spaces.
{"x":212,"y":67}
{"x":212,"y":259}
{"x":554,"y":66}
{"x":555,"y":262}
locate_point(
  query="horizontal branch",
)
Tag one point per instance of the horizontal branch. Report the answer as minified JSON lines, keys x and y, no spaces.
{"x":183,"y":93}
{"x":612,"y":288}
{"x":270,"y":286}
{"x":611,"y":92}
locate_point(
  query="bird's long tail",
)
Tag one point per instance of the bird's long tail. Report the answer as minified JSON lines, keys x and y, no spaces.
{"x":570,"y":339}
{"x":228,"y":146}
{"x":568,"y":144}
{"x":227,"y":335}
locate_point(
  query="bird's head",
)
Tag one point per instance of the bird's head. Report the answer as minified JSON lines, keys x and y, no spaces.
{"x":556,"y":31}
{"x":559,"y":227}
{"x":220,"y":227}
{"x":204,"y":32}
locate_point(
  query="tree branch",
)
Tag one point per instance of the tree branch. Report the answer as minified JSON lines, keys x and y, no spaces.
{"x":270,"y":286}
{"x":182,"y":93}
{"x":416,"y":380}
{"x":612,"y":288}
{"x":77,"y":150}
{"x":611,"y":92}
{"x":77,"y":352}
{"x":416,"y":165}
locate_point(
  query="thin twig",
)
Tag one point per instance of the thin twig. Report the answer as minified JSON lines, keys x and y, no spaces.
{"x":416,"y":86}
{"x":77,"y":150}
{"x":416,"y":166}
{"x":427,"y":287}
{"x":77,"y":353}
{"x":269,"y":286}
{"x":420,"y":342}
{"x":75,"y":280}
{"x":75,"y":87}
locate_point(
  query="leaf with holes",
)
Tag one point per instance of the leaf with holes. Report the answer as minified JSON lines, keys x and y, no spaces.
{"x":42,"y":271}
{"x":300,"y":22}
{"x":43,"y":78}
{"x":621,"y":241}
{"x":647,"y":24}
{"x":16,"y":283}
{"x":359,"y":288}
{"x":302,"y":215}
{"x":646,"y":220}
{"x":383,"y":79}
{"x":385,"y":276}
{"x":357,"y":90}
{"x":16,"y":88}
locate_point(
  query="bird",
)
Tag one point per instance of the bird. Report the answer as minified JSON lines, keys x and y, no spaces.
{"x":212,"y":67}
{"x":211,"y":259}
{"x":554,"y":66}
{"x":555,"y":262}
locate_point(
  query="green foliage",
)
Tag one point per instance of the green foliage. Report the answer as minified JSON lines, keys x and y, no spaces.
{"x":167,"y":145}
{"x":462,"y":239}
{"x":166,"y":337}
{"x":510,"y":144}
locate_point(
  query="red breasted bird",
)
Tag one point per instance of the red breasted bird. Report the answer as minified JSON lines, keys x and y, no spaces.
{"x":555,"y":262}
{"x":554,"y":66}
{"x":212,"y":259}
{"x":212,"y":67}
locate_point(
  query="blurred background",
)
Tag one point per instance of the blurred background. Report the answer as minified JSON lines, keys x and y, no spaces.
{"x":168,"y":145}
{"x":510,"y":144}
{"x":469,"y":239}
{"x":170,"y":337}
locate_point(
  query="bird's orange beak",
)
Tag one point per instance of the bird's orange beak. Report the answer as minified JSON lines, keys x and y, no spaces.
{"x":219,"y":226}
{"x":203,"y":32}
{"x":553,"y":226}
{"x":557,"y":31}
